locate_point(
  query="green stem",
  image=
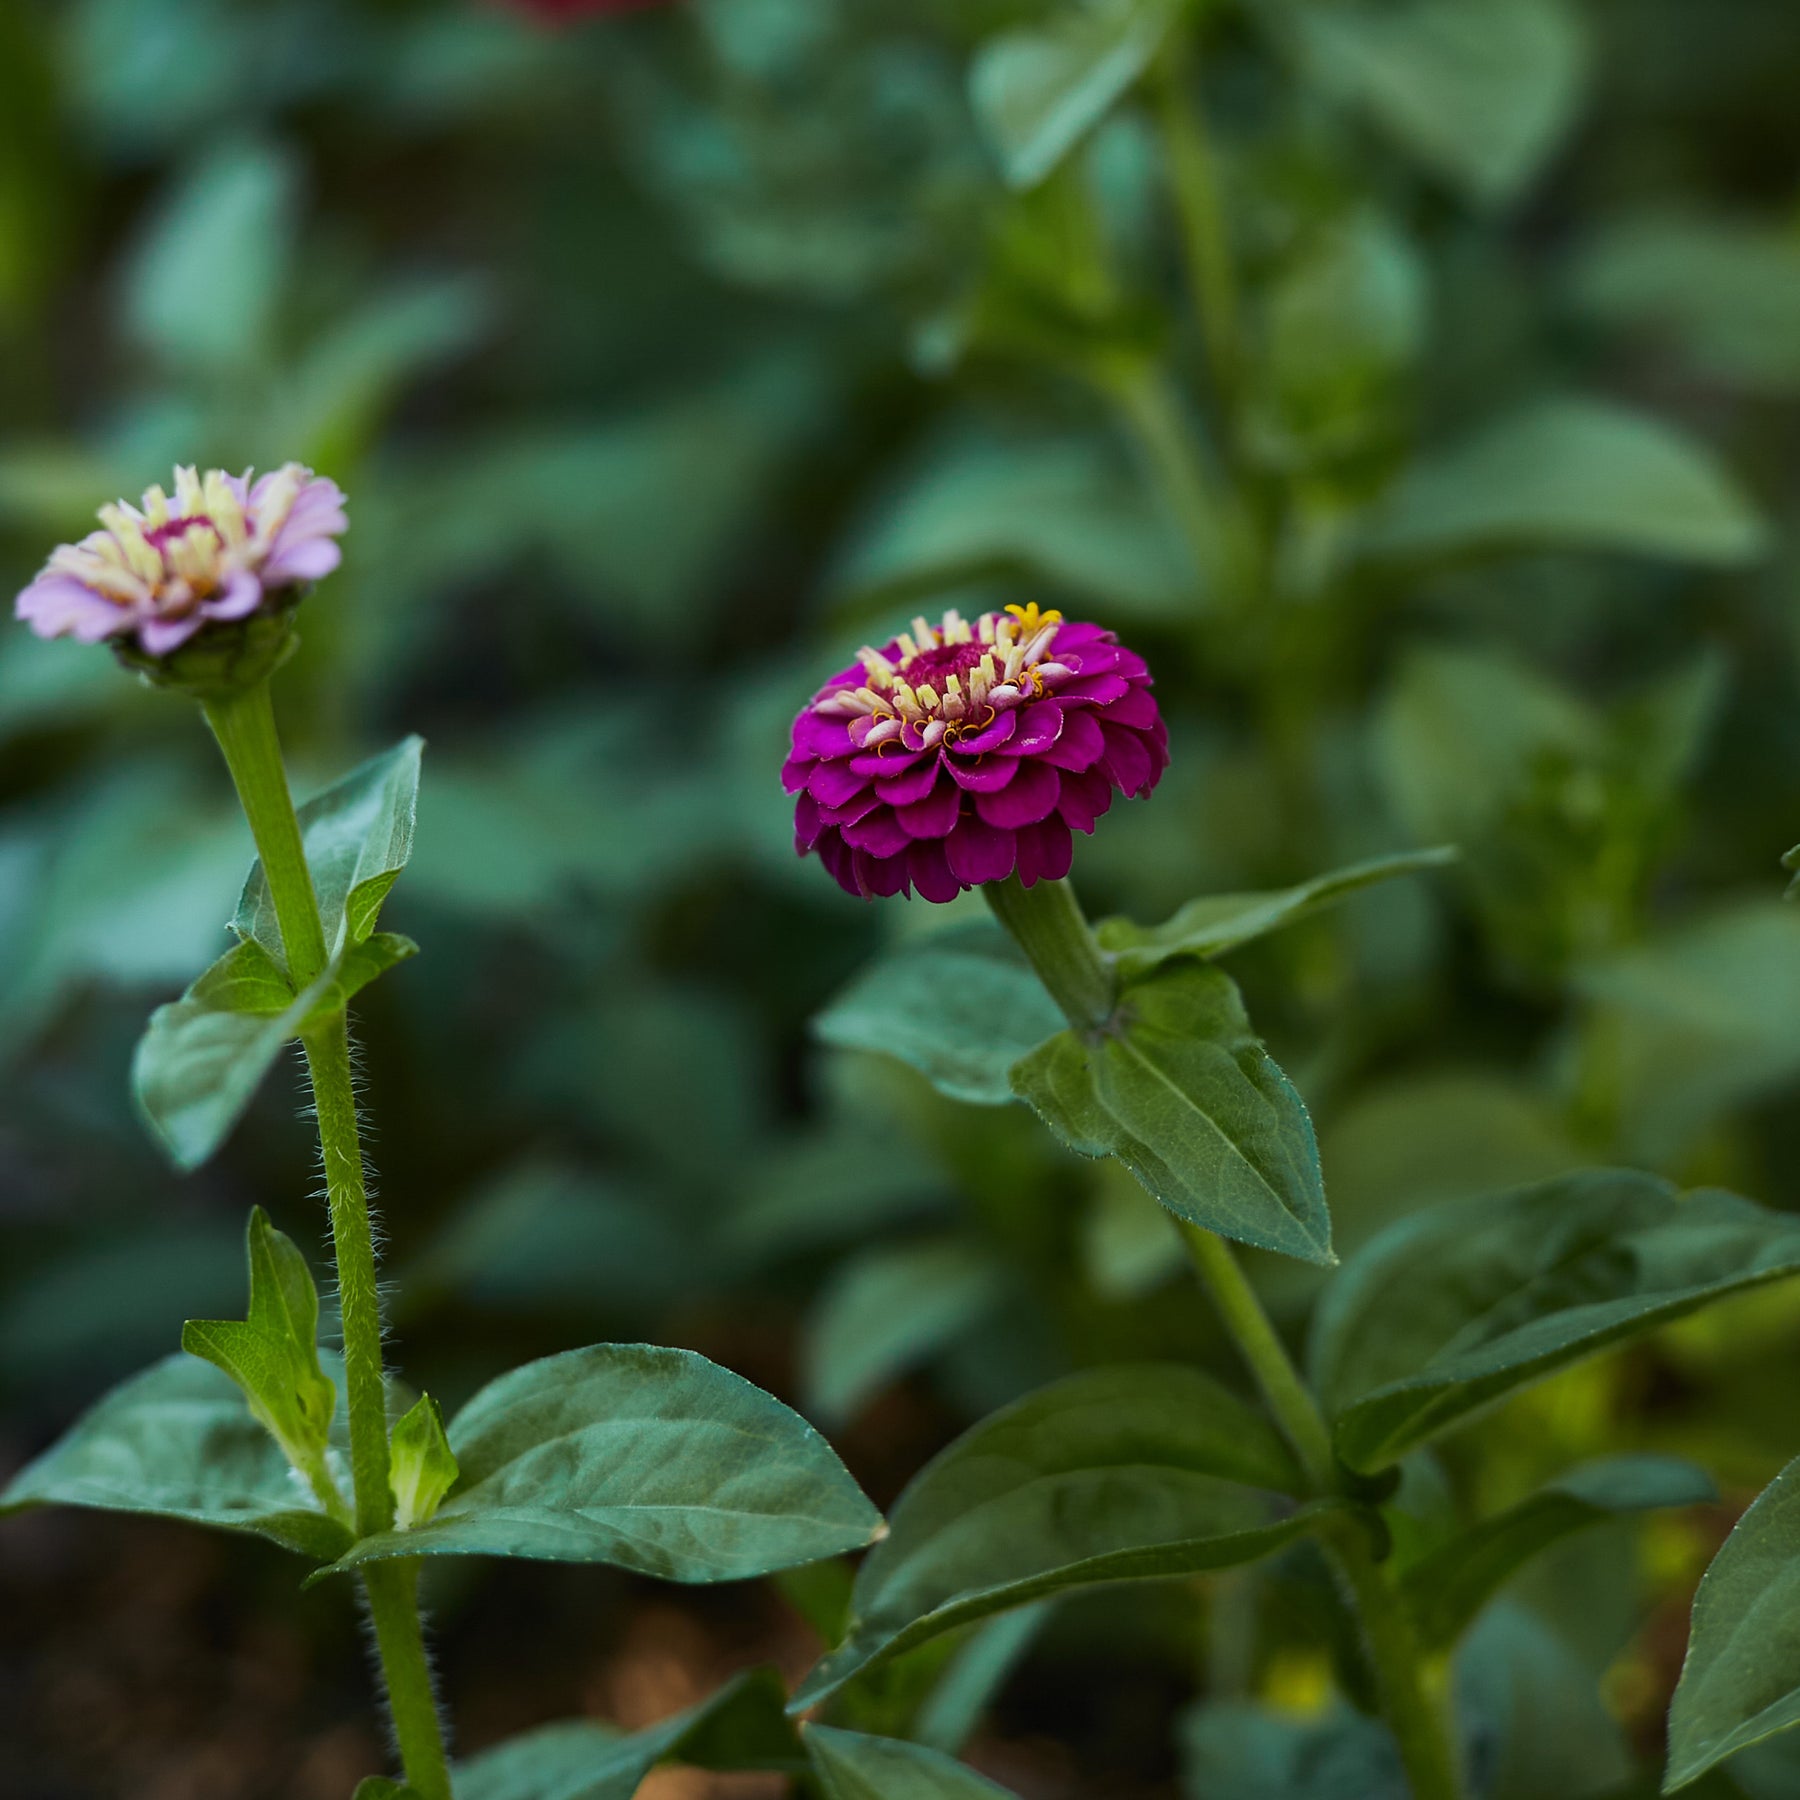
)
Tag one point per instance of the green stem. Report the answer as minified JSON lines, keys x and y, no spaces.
{"x":1048,"y":923}
{"x":393,"y":1590}
{"x":1414,"y":1689}
{"x":340,"y":1142}
{"x":244,"y":724}
{"x":1261,"y":1347}
{"x":1200,"y":210}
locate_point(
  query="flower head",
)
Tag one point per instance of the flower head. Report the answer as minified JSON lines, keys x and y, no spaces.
{"x":218,"y":551}
{"x":963,"y":753}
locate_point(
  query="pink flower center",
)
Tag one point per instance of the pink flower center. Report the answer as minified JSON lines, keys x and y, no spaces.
{"x":942,"y":659}
{"x":158,"y":535}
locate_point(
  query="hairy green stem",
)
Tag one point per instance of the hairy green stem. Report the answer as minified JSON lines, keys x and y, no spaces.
{"x":1414,"y":1689}
{"x":244,"y":724}
{"x":393,"y":1591}
{"x":1048,"y":923}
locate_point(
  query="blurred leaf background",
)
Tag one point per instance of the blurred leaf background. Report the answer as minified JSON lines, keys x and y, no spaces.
{"x":667,"y":357}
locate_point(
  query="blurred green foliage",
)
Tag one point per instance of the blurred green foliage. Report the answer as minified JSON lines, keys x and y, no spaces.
{"x":667,"y":358}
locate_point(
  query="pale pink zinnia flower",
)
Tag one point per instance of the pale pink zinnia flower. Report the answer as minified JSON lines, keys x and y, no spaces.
{"x":967,"y":752}
{"x":219,"y":550}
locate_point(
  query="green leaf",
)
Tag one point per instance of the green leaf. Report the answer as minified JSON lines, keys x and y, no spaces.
{"x":1698,"y":1020}
{"x":1537,"y":1723}
{"x":1343,"y":322}
{"x":1117,"y":1474}
{"x":202,"y":1058}
{"x":1480,"y":91}
{"x":208,"y":279}
{"x":1037,"y":93}
{"x":1216,"y":923}
{"x":1570,"y":475}
{"x":888,"y":1310}
{"x":1721,"y":293}
{"x":380,"y":1787}
{"x":650,"y":1459}
{"x":358,"y":835}
{"x":178,"y":1442}
{"x":742,"y":1726}
{"x":1246,"y":1751}
{"x":1453,"y":1308}
{"x":422,"y":1467}
{"x":1769,"y":1770}
{"x":960,"y":1005}
{"x":1061,"y":511}
{"x":853,"y":1766}
{"x":1177,"y":1088}
{"x":273,"y":1355}
{"x":1447,"y":1587}
{"x":1741,"y":1681}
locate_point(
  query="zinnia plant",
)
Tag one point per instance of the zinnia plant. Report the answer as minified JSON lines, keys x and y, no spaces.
{"x":965,"y":755}
{"x":656,"y":1460}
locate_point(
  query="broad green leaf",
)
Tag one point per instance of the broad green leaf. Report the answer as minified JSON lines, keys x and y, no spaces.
{"x":1480,"y":91}
{"x":853,"y":1766}
{"x":1131,"y":1472}
{"x":1037,"y":93}
{"x":1721,"y":293}
{"x":1216,"y":923}
{"x":178,"y":1442}
{"x":1698,"y":1020}
{"x":1239,"y":1750}
{"x":1058,"y":511}
{"x":358,"y":836}
{"x":1455,"y":1307}
{"x":202,"y":1058}
{"x":1177,"y":1088}
{"x":208,"y":279}
{"x":887,"y":1311}
{"x":1535,"y":1723}
{"x":1769,"y":1769}
{"x":1570,"y":475}
{"x":742,"y":1726}
{"x":1741,"y":1681}
{"x":273,"y":1354}
{"x":1343,"y":322}
{"x":1447,"y":1587}
{"x":650,"y":1459}
{"x":380,"y":1787}
{"x":961,"y":1006}
{"x":422,"y":1469}
{"x":1461,"y":731}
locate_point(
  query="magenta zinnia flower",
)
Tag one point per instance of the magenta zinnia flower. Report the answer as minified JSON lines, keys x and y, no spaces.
{"x":220,"y":550}
{"x":967,"y":753}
